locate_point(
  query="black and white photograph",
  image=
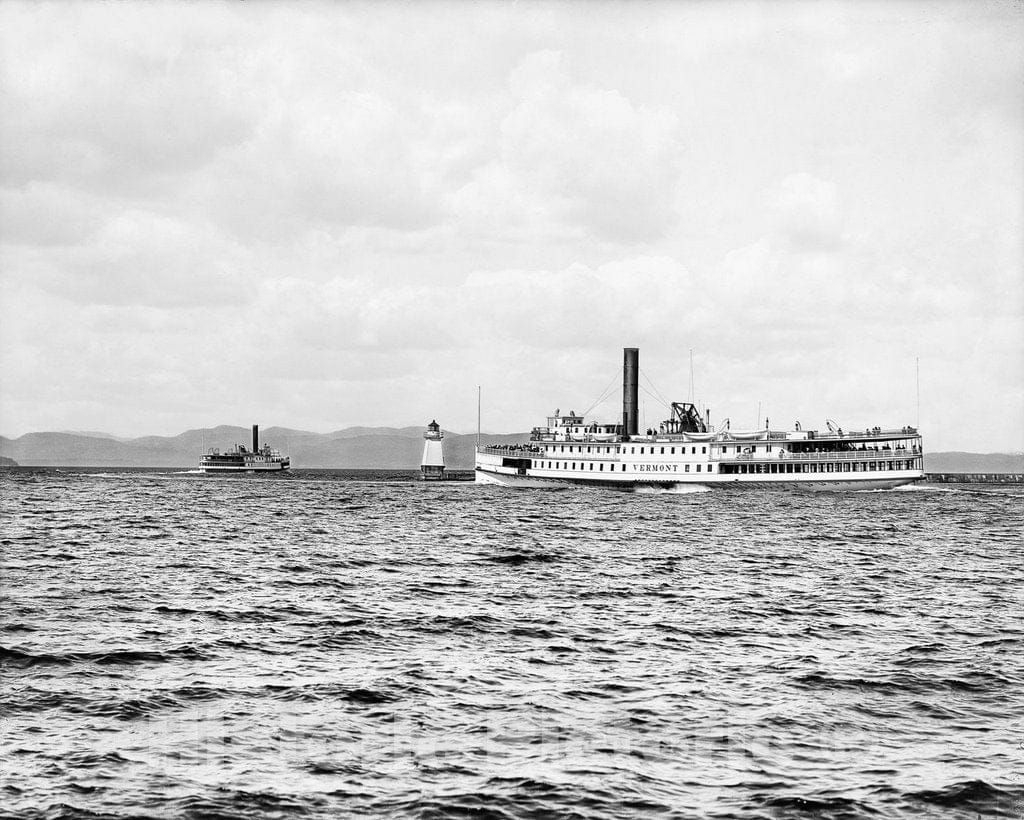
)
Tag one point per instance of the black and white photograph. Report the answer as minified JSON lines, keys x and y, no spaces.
{"x":511,"y":410}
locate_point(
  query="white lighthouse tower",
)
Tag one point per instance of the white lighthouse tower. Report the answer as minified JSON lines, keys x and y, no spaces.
{"x":432,"y":465}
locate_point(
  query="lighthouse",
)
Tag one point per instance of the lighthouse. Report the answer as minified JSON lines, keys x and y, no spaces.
{"x":432,"y":465}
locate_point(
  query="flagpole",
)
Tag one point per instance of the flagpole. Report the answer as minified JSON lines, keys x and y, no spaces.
{"x":692,"y":400}
{"x":918,"y":364}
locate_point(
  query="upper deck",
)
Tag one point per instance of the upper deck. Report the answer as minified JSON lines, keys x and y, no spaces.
{"x":762,"y":445}
{"x":603,"y":434}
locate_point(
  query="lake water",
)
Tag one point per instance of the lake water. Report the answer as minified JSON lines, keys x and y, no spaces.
{"x":330,"y":644}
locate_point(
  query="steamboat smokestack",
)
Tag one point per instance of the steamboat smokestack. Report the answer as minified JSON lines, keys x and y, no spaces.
{"x":255,"y":438}
{"x":630,"y":387}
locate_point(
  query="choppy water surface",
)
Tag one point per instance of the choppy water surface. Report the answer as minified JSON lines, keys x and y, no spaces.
{"x":313,"y":645}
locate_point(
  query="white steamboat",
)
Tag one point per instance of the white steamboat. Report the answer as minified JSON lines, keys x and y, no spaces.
{"x":242,"y":460}
{"x":686,"y":450}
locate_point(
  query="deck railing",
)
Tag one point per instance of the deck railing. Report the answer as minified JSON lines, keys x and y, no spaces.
{"x":724,"y":437}
{"x":836,"y":455}
{"x":522,"y":452}
{"x":819,"y":435}
{"x":510,"y":450}
{"x":514,"y":451}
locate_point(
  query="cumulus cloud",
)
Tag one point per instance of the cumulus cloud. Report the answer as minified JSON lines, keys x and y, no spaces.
{"x":44,"y":214}
{"x":806,"y":211}
{"x":594,"y":157}
{"x":140,"y":258}
{"x":112,"y":99}
{"x":335,"y":159}
{"x":576,"y":160}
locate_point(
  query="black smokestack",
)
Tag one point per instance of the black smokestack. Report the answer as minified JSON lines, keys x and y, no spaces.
{"x":630,"y":386}
{"x":255,"y":438}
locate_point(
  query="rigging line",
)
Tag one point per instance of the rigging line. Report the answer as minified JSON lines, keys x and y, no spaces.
{"x":604,"y":394}
{"x":598,"y":403}
{"x":654,"y":388}
{"x":656,"y":398}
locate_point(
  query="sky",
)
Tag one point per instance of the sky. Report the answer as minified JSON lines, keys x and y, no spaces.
{"x":319,"y":215}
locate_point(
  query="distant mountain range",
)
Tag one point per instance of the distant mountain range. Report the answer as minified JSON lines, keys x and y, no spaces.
{"x":382,"y":448}
{"x":958,"y":462}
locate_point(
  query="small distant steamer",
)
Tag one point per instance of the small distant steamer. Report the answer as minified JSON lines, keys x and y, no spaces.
{"x":686,"y":450}
{"x":240,"y":460}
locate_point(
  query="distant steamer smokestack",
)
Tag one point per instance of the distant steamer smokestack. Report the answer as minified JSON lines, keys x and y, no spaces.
{"x":255,"y":438}
{"x":630,"y":386}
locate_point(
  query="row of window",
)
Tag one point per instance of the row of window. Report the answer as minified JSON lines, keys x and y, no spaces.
{"x":609,"y":450}
{"x":682,"y":450}
{"x":827,"y":467}
{"x":571,"y":465}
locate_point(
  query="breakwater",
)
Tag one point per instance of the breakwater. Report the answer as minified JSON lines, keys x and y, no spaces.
{"x":974,"y":478}
{"x":455,"y":475}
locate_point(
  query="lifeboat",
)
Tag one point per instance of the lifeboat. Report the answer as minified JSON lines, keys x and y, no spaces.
{"x":700,"y":436}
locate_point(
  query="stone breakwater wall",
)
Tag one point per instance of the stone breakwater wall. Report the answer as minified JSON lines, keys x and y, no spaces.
{"x":974,"y":478}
